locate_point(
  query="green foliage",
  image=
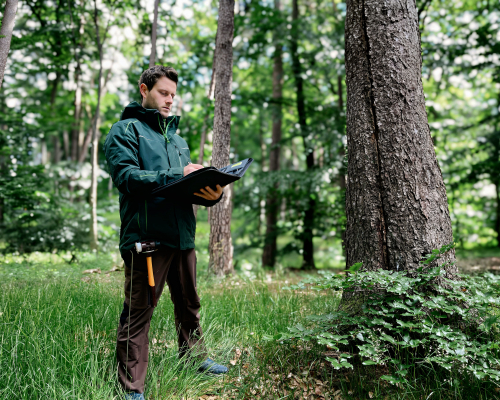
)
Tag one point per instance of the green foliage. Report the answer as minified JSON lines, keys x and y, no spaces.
{"x":410,"y":320}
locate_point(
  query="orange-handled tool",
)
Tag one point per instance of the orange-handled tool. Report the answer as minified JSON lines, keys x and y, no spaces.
{"x":151,"y":279}
{"x":146,"y":247}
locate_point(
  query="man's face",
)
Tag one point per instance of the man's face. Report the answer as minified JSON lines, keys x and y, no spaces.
{"x":160,"y":97}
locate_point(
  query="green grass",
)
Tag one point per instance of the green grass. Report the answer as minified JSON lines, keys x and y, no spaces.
{"x":57,"y":341}
{"x":58,"y":332}
{"x":58,"y":337}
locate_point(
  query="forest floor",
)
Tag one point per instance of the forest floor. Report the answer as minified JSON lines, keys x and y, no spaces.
{"x":58,"y":325}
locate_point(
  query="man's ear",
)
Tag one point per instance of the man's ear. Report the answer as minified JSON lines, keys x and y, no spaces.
{"x":144,"y":91}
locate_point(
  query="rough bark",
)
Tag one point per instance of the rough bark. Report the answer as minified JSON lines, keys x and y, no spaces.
{"x":9,"y":17}
{"x":95,"y":141}
{"x":396,"y":202}
{"x":221,"y":247}
{"x":272,"y":201}
{"x":152,"y":58}
{"x":307,"y":234}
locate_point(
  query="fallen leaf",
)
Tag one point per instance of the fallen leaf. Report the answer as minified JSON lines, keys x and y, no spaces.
{"x":92,"y":271}
{"x":114,"y":269}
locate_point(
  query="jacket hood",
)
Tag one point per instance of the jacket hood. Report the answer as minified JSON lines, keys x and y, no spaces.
{"x":152,"y":117}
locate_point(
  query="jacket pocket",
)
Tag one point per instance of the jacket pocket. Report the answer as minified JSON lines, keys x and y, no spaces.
{"x":184,"y":156}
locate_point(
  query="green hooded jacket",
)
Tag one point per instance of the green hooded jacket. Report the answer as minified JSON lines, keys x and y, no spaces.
{"x":143,"y":152}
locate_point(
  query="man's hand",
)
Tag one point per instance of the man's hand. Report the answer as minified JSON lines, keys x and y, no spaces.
{"x":209,"y":194}
{"x":191,"y":168}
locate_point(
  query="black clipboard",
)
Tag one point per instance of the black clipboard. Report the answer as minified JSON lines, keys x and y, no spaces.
{"x":184,"y":188}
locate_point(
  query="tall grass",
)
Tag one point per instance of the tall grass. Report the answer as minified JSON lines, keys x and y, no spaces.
{"x":57,"y":338}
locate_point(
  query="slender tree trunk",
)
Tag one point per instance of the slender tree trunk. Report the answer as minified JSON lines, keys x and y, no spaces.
{"x":272,"y":203}
{"x":396,"y":202}
{"x":56,"y":143}
{"x":77,"y":113}
{"x":202,"y":150}
{"x":307,"y":234}
{"x":44,"y":152}
{"x":75,"y":131}
{"x":9,"y":17}
{"x":262,"y":202}
{"x":221,"y":247}
{"x":83,"y":153}
{"x":53,"y":93}
{"x":95,"y":141}
{"x":152,"y":59}
{"x":67,"y":154}
{"x":204,"y":128}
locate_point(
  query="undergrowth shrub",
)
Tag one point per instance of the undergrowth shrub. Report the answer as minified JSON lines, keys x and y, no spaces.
{"x":408,"y":321}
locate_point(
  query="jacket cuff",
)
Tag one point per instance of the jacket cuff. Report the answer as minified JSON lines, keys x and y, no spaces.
{"x":177,"y":172}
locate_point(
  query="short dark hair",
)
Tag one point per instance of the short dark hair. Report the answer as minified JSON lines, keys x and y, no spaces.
{"x":151,"y":76}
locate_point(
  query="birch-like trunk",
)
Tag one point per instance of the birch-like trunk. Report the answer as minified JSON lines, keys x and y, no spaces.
{"x":9,"y":17}
{"x":272,"y":201}
{"x":396,"y":204}
{"x":221,"y":247}
{"x":152,"y":58}
{"x":94,"y":238}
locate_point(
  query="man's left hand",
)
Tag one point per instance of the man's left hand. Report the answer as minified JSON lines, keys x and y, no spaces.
{"x":209,"y":194}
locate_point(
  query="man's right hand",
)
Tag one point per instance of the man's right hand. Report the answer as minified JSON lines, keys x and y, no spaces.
{"x":191,"y":168}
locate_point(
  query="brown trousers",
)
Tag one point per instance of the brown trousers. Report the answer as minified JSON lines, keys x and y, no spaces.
{"x":178,"y":269}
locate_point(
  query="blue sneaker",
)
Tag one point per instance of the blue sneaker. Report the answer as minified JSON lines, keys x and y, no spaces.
{"x":212,"y":367}
{"x":134,"y":396}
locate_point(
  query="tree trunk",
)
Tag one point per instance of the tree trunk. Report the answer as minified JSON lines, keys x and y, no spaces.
{"x":88,"y":137}
{"x":77,"y":114}
{"x":56,"y":143}
{"x":6,"y":29}
{"x":67,"y":154}
{"x":204,"y":128}
{"x":152,"y":58}
{"x":396,"y":202}
{"x":75,"y":130}
{"x":272,"y":201}
{"x":95,"y":141}
{"x":221,"y":247}
{"x":202,"y":150}
{"x":307,"y":234}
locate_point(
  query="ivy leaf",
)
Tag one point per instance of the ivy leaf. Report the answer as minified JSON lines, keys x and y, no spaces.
{"x":489,"y":322}
{"x":356,"y":267}
{"x":338,"y":365}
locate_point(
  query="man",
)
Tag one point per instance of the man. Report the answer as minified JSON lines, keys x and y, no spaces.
{"x":143,"y":152}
